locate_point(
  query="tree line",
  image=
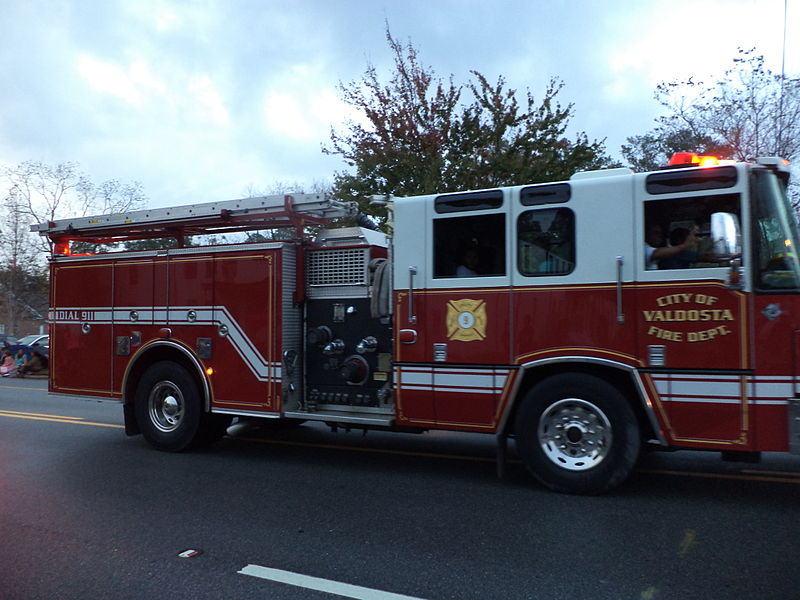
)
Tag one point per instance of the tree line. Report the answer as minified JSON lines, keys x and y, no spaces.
{"x":422,"y":133}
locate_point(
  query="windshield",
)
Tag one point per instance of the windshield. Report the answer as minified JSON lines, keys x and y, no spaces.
{"x":775,"y":242}
{"x":29,"y":339}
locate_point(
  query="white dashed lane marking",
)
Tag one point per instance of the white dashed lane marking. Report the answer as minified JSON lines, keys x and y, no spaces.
{"x":321,"y":585}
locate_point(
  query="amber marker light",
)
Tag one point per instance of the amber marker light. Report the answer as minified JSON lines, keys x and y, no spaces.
{"x":708,"y":161}
{"x":209,"y":371}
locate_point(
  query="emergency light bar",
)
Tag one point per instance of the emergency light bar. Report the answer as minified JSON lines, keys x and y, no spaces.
{"x":692,"y":159}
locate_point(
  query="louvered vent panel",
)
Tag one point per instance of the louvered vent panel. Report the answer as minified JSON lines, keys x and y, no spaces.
{"x":337,"y":271}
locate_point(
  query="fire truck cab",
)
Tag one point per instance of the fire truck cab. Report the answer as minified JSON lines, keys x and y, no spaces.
{"x":584,"y":319}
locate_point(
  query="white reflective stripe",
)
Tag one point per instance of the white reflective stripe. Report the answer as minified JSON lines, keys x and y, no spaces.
{"x":706,"y":388}
{"x":416,"y":377}
{"x":416,"y":388}
{"x":251,"y":356}
{"x":725,"y":401}
{"x":179,"y":315}
{"x":702,"y":400}
{"x":705,"y":377}
{"x":468,"y":379}
{"x":773,"y":390}
{"x":461,"y":380}
{"x":501,"y":378}
{"x":454,"y":390}
{"x":203,"y":316}
{"x":770,"y":402}
{"x":762,"y":390}
{"x":96,"y":315}
{"x":662,"y":386}
{"x":451,"y":390}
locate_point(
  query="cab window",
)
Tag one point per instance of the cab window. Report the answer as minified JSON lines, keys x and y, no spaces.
{"x":469,"y":246}
{"x":677,"y":231}
{"x":546,"y":242}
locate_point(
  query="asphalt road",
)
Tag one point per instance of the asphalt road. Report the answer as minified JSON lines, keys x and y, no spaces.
{"x":86,"y":512}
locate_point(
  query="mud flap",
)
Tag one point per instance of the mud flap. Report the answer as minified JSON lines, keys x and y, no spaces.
{"x":131,"y":426}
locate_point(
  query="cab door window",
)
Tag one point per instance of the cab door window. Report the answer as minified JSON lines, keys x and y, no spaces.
{"x":472,"y":246}
{"x":677,"y":231}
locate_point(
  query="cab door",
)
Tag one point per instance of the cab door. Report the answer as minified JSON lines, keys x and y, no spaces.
{"x":453,"y":323}
{"x":692,"y":327}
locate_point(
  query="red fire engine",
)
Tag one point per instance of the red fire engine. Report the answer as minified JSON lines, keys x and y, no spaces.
{"x":586,"y":319}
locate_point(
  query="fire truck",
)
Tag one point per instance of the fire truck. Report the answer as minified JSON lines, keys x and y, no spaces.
{"x":585,"y":319}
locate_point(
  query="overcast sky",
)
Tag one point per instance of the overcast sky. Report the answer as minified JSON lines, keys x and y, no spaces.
{"x":204,"y":100}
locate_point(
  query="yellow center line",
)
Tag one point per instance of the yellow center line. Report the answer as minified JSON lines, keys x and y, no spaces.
{"x":20,"y":387}
{"x":4,"y":411}
{"x":746,"y":475}
{"x":55,"y":419}
{"x":784,"y":473}
{"x":492,"y":459}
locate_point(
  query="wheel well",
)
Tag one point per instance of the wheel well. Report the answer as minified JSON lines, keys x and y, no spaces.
{"x":619,"y":378}
{"x":153,"y":355}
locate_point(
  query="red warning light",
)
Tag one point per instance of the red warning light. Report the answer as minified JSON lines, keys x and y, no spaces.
{"x":61,"y":249}
{"x":692,"y":159}
{"x":683,"y":158}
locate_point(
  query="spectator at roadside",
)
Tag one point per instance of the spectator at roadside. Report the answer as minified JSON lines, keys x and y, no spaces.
{"x":20,"y":358}
{"x":9,"y":365}
{"x":33,"y":365}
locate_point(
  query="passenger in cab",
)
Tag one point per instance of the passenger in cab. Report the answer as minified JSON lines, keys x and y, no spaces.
{"x":656,"y":250}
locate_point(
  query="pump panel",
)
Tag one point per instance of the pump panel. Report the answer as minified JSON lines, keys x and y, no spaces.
{"x":348,"y":360}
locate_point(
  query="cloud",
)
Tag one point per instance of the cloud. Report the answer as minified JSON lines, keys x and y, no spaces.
{"x":133,"y":84}
{"x":302,"y":103}
{"x":207,"y":101}
{"x":696,"y":39}
{"x":198,"y":99}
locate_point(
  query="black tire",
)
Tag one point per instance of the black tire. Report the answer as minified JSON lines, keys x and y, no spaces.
{"x":169,"y":408}
{"x":576,"y":433}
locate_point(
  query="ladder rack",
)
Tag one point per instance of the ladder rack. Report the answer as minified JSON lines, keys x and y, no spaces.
{"x":246,"y":214}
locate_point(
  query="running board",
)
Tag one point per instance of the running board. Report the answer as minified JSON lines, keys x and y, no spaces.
{"x":350,"y":418}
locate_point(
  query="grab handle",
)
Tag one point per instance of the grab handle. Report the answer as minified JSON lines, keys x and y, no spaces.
{"x":412,"y":318}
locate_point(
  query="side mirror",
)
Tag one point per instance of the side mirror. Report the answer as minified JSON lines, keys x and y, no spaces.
{"x":727,"y":240}
{"x":726,"y":235}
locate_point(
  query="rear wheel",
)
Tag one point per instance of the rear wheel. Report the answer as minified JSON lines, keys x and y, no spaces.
{"x":576,"y":433}
{"x":169,"y":407}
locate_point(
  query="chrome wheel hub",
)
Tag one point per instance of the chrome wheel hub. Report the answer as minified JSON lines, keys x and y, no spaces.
{"x":166,"y":406}
{"x":575,"y":434}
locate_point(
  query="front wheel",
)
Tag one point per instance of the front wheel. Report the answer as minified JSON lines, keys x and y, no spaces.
{"x":576,"y":433}
{"x":168,"y":407}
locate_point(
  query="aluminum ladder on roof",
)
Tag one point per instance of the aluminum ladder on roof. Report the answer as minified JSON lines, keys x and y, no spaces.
{"x":263,"y":212}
